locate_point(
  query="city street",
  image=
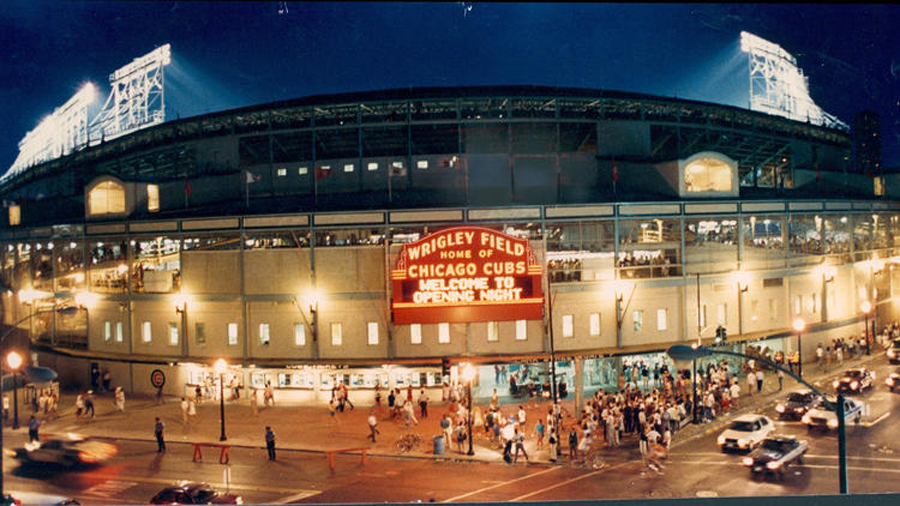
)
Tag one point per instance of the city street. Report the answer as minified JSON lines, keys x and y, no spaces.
{"x":696,"y":467}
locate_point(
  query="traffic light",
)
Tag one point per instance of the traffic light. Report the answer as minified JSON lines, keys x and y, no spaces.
{"x":445,"y":366}
{"x":721,"y":334}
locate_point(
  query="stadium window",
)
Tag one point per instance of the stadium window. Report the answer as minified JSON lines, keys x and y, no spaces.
{"x":107,"y":331}
{"x":722,"y":314}
{"x":422,"y":164}
{"x":662,"y":319}
{"x":302,"y":171}
{"x":595,"y":324}
{"x":152,"y":198}
{"x":372,"y":166}
{"x":707,"y":175}
{"x":173,"y":334}
{"x":232,"y":334}
{"x":415,"y":333}
{"x":120,"y":334}
{"x":373,"y":333}
{"x":200,"y":332}
{"x":264,"y":334}
{"x":337,"y":334}
{"x":567,"y":327}
{"x":107,"y":197}
{"x":282,"y":171}
{"x":299,"y":334}
{"x":15,"y":215}
{"x":798,"y":304}
{"x":493,"y":331}
{"x":146,"y":332}
{"x":638,"y":320}
{"x":348,"y":167}
{"x":754,"y":310}
{"x":521,"y":330}
{"x":443,"y":333}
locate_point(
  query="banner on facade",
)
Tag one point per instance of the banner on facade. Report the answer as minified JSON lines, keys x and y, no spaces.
{"x":466,"y":274}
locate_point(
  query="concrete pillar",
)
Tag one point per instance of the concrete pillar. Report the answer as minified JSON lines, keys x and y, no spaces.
{"x":579,"y":386}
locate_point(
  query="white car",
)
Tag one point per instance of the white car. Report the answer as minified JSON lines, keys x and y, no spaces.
{"x":746,"y":432}
{"x":825,"y":417}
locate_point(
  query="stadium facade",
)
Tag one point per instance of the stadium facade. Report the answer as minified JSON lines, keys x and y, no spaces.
{"x":387,"y":237}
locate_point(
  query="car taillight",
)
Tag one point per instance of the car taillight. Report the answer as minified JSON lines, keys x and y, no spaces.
{"x":87,"y":457}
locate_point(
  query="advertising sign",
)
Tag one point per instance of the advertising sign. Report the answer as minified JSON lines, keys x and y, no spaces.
{"x":466,"y":274}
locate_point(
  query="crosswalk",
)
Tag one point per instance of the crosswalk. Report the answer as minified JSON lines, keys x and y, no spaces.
{"x":109,"y":489}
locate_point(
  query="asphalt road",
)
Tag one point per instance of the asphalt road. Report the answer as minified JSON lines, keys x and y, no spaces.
{"x":696,"y":468}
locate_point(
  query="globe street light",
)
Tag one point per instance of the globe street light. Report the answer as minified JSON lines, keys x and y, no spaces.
{"x":683,"y":352}
{"x":866,"y":308}
{"x":799,"y":326}
{"x":468,"y":374}
{"x":220,"y":367}
{"x":14,"y":361}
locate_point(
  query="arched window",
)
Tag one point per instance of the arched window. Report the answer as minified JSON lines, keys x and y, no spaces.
{"x":107,"y":197}
{"x":707,"y":174}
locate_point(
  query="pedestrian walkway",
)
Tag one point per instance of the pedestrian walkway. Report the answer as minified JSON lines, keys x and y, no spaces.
{"x":312,"y":429}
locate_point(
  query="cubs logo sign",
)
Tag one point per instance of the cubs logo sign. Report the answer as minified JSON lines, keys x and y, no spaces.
{"x":466,"y":274}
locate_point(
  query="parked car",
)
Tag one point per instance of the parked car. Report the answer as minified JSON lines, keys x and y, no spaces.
{"x":69,"y":451}
{"x":797,"y":404}
{"x":745,"y":432}
{"x":825,"y":416}
{"x":775,"y":454}
{"x":194,"y":493}
{"x":893,"y":352}
{"x":854,"y":381}
{"x":37,"y":499}
{"x":893,"y":380}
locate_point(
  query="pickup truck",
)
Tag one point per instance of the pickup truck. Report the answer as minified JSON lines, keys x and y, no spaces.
{"x":824,"y":416}
{"x":775,"y":454}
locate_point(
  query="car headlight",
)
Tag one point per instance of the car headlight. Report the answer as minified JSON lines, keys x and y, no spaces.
{"x":891,"y":353}
{"x":773,"y":465}
{"x":805,"y":418}
{"x":721,"y":440}
{"x":836,"y":384}
{"x":742,"y":443}
{"x":800,"y":409}
{"x":832,"y":424}
{"x":747,"y":461}
{"x":854,"y":385}
{"x":779,"y":408}
{"x":889,"y":382}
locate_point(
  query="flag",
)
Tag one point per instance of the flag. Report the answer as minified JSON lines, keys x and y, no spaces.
{"x":320,"y":172}
{"x":252,"y":178}
{"x":615,"y":172}
{"x":187,"y":188}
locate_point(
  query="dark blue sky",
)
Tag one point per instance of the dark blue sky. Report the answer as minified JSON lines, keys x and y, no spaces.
{"x":233,"y":54}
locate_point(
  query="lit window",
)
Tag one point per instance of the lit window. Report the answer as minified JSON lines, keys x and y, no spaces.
{"x":303,"y":171}
{"x":120,"y":334}
{"x":264,"y":333}
{"x":722,"y":314}
{"x":106,"y":198}
{"x":521,"y":330}
{"x":707,"y":175}
{"x":798,"y":304}
{"x":337,"y":334}
{"x":638,"y":320}
{"x":567,"y":327}
{"x":754,"y":310}
{"x":443,"y":333}
{"x":703,"y":316}
{"x":107,"y":331}
{"x":348,"y":167}
{"x":595,"y":324}
{"x":662,"y":319}
{"x":325,"y":167}
{"x":372,"y":166}
{"x":200,"y":332}
{"x":373,"y":333}
{"x":493,"y":331}
{"x":422,"y":164}
{"x":173,"y":334}
{"x":232,"y":334}
{"x":15,"y":215}
{"x":282,"y":171}
{"x":146,"y":334}
{"x":397,"y":165}
{"x":299,"y":334}
{"x":813,"y":303}
{"x":415,"y":333}
{"x":152,"y":198}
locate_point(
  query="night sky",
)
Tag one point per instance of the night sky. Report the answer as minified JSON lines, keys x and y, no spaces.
{"x":234,"y":54}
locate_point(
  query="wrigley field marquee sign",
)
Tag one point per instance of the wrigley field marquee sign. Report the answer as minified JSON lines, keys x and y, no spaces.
{"x":466,"y":274}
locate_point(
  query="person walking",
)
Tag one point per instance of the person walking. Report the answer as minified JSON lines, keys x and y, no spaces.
{"x":79,"y":406}
{"x":33,"y":426}
{"x":184,"y":411}
{"x":820,"y":356}
{"x":519,"y":439}
{"x":332,"y":411}
{"x":751,"y":382}
{"x":552,"y":441}
{"x":780,"y":380}
{"x":573,"y":444}
{"x":270,"y":442}
{"x":423,"y":404}
{"x":158,"y":432}
{"x":372,"y":421}
{"x":120,"y":399}
{"x":192,"y":410}
{"x":759,"y":380}
{"x":539,"y":431}
{"x":254,"y":401}
{"x":89,"y":403}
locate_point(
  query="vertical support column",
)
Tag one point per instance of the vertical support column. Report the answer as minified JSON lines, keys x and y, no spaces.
{"x":312,"y":283}
{"x":579,"y":386}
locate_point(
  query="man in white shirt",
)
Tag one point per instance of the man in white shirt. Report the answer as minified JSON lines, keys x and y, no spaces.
{"x":751,"y":382}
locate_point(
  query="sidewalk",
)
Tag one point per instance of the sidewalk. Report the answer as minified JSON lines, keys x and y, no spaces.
{"x":311,"y":429}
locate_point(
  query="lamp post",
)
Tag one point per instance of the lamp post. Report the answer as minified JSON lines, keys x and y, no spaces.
{"x":684,"y":352}
{"x":220,"y":367}
{"x":468,"y":375}
{"x":866,"y":308}
{"x":799,"y":326}
{"x":14,"y":361}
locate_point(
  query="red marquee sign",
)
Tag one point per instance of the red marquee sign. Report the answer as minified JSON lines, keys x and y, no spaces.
{"x":466,"y":274}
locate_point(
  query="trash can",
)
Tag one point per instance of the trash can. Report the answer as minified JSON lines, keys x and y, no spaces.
{"x":439,"y":445}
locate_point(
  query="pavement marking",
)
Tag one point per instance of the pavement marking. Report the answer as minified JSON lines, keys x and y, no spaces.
{"x":880,"y":418}
{"x":795,"y":466}
{"x":278,"y":490}
{"x":109,"y":488}
{"x":297,"y":497}
{"x":572,"y":480}
{"x":485,"y":489}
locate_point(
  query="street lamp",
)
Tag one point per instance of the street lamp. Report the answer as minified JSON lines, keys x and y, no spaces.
{"x":799,"y":326}
{"x":683,"y":352}
{"x":14,"y":361}
{"x":468,"y":374}
{"x":220,"y":367}
{"x":866,"y":308}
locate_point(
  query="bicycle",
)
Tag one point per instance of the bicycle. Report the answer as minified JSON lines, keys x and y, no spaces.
{"x":407,"y":442}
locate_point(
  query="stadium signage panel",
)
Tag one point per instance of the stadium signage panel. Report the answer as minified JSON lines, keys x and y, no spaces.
{"x":466,"y":274}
